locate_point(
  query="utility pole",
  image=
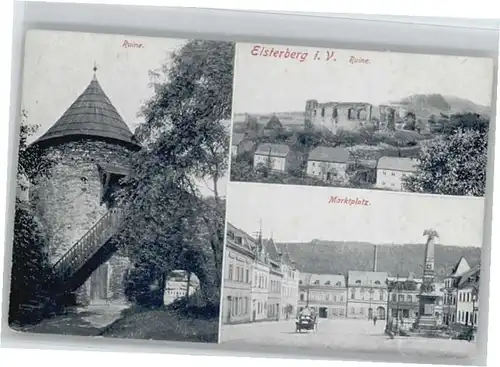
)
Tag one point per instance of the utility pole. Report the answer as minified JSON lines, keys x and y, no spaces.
{"x":397,"y":301}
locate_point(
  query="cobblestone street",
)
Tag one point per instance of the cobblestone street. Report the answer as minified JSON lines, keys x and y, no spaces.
{"x":347,"y":335}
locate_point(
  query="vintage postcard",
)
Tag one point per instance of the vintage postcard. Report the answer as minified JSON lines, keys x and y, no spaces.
{"x":119,"y":223}
{"x":359,"y":119}
{"x":342,"y":272}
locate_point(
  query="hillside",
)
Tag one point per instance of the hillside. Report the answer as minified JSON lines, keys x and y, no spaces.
{"x":326,"y":257}
{"x":425,"y":105}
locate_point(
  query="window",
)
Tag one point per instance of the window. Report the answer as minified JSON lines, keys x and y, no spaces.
{"x":408,"y":298}
{"x":358,"y":281}
{"x":316,"y":282}
{"x":230,"y":272}
{"x":353,"y":310}
{"x":238,"y":240}
{"x":335,"y":112}
{"x":377,"y":282}
{"x":353,"y":293}
{"x":393,"y":174}
{"x":338,"y":284}
{"x":401,"y":298}
{"x":384,"y":173}
{"x":341,"y":298}
{"x":323,"y":112}
{"x":382,"y":296}
{"x":394,"y":298}
{"x":300,"y":282}
{"x":328,"y":282}
{"x":428,"y":266}
{"x":302,"y":296}
{"x":247,"y":279}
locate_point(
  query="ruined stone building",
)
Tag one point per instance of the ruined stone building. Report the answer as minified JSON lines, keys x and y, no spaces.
{"x":335,"y":116}
{"x":90,"y":146}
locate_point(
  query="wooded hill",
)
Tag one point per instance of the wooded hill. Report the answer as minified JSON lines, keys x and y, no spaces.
{"x":329,"y":257}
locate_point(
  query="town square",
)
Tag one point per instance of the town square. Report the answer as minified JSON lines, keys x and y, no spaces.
{"x":411,"y":294}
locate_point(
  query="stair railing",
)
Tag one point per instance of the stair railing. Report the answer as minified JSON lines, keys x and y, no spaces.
{"x":88,"y":244}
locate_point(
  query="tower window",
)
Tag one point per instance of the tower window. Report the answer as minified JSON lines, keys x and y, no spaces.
{"x":83,"y":179}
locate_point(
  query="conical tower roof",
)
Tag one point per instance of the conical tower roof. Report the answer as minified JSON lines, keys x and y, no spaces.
{"x":92,"y":115}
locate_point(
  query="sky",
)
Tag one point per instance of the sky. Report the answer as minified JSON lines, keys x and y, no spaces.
{"x":301,"y":214}
{"x":58,"y":66}
{"x":267,"y":84}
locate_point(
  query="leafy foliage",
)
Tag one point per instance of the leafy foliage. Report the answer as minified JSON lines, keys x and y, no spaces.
{"x":32,"y":162}
{"x":167,"y":221}
{"x":30,"y":264}
{"x":454,"y":164}
{"x":30,"y":267}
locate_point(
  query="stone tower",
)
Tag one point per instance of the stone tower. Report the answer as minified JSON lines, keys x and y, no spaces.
{"x":90,"y":146}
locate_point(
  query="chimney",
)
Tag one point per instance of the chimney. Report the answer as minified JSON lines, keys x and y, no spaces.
{"x":375,"y":258}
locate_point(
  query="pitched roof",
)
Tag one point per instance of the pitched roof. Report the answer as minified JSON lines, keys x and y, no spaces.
{"x":276,"y":150}
{"x":274,"y":123}
{"x":461,"y":266}
{"x":366,"y":278}
{"x":469,"y":276}
{"x":327,"y":280}
{"x":397,"y":164}
{"x":272,"y":250}
{"x":91,"y":115}
{"x":329,"y":154}
{"x":247,"y":242}
{"x":237,"y":138}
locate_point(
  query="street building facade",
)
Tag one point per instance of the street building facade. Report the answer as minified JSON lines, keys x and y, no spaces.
{"x":451,"y":291}
{"x":289,"y":285}
{"x":367,"y":294}
{"x":275,"y":281}
{"x":468,"y":297}
{"x":403,"y":300}
{"x":326,"y":294}
{"x":238,"y":264}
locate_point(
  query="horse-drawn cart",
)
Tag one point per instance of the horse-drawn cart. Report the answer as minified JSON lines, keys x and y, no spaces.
{"x":306,"y":322}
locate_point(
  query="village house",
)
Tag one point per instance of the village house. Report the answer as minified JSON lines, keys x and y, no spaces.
{"x":239,"y":144}
{"x":334,"y":116}
{"x":451,"y":291}
{"x":468,"y":297}
{"x":326,"y":294}
{"x":276,"y":157}
{"x":328,"y":163}
{"x":238,"y":263}
{"x":392,"y":170}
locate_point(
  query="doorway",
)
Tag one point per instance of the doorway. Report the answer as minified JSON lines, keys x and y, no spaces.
{"x":99,"y":283}
{"x":323,"y":312}
{"x":381,"y":313}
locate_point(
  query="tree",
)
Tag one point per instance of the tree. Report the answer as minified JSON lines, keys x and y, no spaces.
{"x":30,"y":265}
{"x":187,"y":141}
{"x":452,"y":165}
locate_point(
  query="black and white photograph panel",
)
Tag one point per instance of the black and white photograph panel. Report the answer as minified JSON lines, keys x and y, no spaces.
{"x":361,"y":119}
{"x":353,"y":271}
{"x":122,"y":171}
